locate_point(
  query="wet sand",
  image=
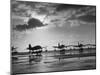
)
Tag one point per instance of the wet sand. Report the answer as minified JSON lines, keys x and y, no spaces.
{"x":49,"y":62}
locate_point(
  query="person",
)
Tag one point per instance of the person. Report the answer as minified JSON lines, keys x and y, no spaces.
{"x":30,"y":58}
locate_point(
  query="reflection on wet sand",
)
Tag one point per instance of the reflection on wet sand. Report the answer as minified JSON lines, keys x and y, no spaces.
{"x":49,"y":62}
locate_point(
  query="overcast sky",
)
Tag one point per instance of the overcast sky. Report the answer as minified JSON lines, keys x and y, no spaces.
{"x":46,"y":24}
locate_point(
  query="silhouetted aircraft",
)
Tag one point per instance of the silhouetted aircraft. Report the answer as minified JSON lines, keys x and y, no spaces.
{"x":60,"y":46}
{"x":35,"y":50}
{"x":34,"y":53}
{"x":13,"y":48}
{"x":45,"y":48}
{"x":81,"y":45}
{"x":14,"y":51}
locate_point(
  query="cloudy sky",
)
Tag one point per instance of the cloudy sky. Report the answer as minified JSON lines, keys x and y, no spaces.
{"x":46,"y":24}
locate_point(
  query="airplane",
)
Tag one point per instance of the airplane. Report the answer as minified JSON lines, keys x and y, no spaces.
{"x":80,"y":45}
{"x":36,"y":49}
{"x":14,"y":51}
{"x":45,"y":48}
{"x":13,"y":48}
{"x":60,"y":46}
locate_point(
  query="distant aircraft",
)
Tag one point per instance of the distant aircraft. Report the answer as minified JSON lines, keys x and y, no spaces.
{"x":13,"y":48}
{"x":80,"y":46}
{"x":14,"y":51}
{"x":46,"y":50}
{"x":60,"y":46}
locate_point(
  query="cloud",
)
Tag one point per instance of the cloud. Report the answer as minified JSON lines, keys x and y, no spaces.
{"x":53,"y":13}
{"x":55,"y":20}
{"x":21,"y":9}
{"x":42,"y":11}
{"x":62,"y":7}
{"x":21,"y":27}
{"x":32,"y":23}
{"x":25,"y":8}
{"x":85,"y":15}
{"x":88,"y":18}
{"x":16,"y":21}
{"x":74,"y":23}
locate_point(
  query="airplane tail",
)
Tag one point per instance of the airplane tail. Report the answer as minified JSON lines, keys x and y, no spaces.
{"x":30,"y":46}
{"x":58,"y":44}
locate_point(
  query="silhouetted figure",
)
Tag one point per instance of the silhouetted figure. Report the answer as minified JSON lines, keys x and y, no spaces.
{"x":80,"y":48}
{"x":30,"y":59}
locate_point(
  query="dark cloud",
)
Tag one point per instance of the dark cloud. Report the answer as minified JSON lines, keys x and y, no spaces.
{"x":86,"y":14}
{"x":54,"y":11}
{"x":21,"y":8}
{"x":28,"y":3}
{"x":88,"y":18}
{"x":35,"y":23}
{"x":42,"y":10}
{"x":21,"y":27}
{"x":68,"y":6}
{"x":32,"y":23}
{"x":90,"y":10}
{"x":55,"y":20}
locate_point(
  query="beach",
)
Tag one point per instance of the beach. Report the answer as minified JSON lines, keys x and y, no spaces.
{"x":53,"y":62}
